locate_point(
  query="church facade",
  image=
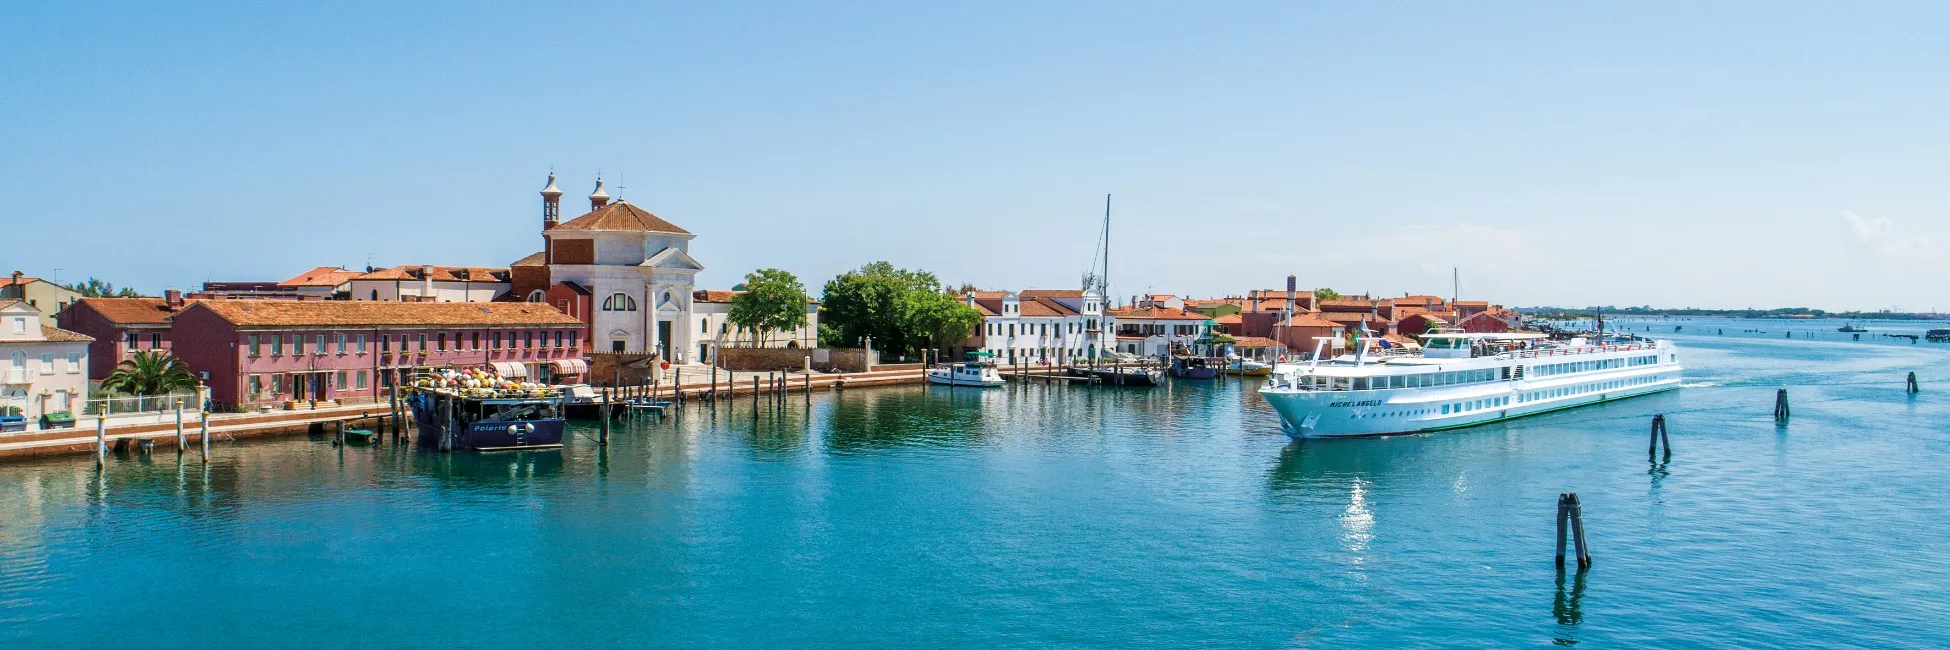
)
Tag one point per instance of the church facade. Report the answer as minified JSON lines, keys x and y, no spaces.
{"x":625,"y":273}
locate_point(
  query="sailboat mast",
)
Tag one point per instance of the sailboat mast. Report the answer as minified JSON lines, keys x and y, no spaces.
{"x":1104,"y":279}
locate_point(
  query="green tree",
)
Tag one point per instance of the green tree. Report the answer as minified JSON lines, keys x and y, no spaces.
{"x":873,"y":301}
{"x":937,"y":320}
{"x":149,"y":373}
{"x":1325,"y":293}
{"x":773,"y":300}
{"x":96,"y":288}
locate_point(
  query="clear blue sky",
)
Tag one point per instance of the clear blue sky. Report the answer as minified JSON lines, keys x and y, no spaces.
{"x":1719,"y":154}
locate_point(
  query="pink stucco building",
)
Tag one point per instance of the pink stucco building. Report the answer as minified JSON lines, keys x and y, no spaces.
{"x":265,"y":352}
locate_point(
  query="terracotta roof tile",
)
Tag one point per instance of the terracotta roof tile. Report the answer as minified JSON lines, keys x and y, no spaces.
{"x":324,"y":276}
{"x":1255,"y":342}
{"x":1229,"y":319}
{"x":539,"y":258}
{"x":440,"y":274}
{"x":346,"y":313}
{"x":1157,"y":313}
{"x":1309,"y":320}
{"x":130,"y":311}
{"x":59,"y":335}
{"x":621,"y":215}
{"x":1052,"y":293}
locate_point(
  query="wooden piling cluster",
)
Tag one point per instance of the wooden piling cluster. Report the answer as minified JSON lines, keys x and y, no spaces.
{"x":1659,"y":436}
{"x":1571,"y":512}
{"x":1781,"y":411}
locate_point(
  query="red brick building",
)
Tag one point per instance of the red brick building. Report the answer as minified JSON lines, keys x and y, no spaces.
{"x":263,"y":352}
{"x":120,"y":327}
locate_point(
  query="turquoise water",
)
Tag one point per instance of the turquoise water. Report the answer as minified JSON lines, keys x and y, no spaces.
{"x":1038,"y":515}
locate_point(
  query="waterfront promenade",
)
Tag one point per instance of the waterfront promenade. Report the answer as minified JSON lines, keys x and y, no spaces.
{"x":161,"y":430}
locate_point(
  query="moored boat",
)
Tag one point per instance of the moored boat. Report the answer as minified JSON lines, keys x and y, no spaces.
{"x":1186,"y":367}
{"x":474,"y":411}
{"x":1247,"y":367}
{"x":1460,"y":380}
{"x":979,"y":374}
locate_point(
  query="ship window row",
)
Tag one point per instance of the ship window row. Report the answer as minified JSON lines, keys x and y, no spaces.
{"x":1424,"y":380}
{"x":1568,"y":391}
{"x":1645,"y":360}
{"x":1548,"y":369}
{"x":1475,"y":405}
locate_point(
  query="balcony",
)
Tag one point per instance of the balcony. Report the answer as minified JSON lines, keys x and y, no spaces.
{"x":16,"y":376}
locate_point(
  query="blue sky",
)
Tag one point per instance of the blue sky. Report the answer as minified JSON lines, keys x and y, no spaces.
{"x":1720,"y":154}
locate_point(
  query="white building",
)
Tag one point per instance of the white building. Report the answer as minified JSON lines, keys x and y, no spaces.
{"x":712,"y":311}
{"x":1038,"y":325}
{"x":43,"y":369}
{"x":625,"y":272}
{"x":427,"y":283}
{"x":1155,"y":331}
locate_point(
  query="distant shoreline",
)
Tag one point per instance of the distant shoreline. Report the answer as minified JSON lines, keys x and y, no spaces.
{"x":1796,"y":313}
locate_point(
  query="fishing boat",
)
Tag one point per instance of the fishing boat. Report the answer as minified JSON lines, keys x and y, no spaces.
{"x":476,"y":411}
{"x":1850,"y":327}
{"x":1247,"y":367}
{"x":1939,"y":335}
{"x":980,"y":374}
{"x":1463,"y":379}
{"x":1187,"y":367}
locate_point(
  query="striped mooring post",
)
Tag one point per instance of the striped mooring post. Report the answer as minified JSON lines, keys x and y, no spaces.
{"x":1570,"y":511}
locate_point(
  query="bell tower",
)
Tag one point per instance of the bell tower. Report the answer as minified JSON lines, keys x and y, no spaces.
{"x":598,"y":198}
{"x":551,"y":204}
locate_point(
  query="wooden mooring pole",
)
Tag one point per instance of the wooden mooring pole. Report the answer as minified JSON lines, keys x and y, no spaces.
{"x":1913,"y":388}
{"x":101,"y":441}
{"x":203,"y":434}
{"x":396,"y":410}
{"x":1571,"y":512}
{"x":1781,"y":411}
{"x":602,"y":438}
{"x":1659,"y":436}
{"x":182,"y":442}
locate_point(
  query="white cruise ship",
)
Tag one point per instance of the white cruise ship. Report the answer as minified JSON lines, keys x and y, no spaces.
{"x":1462,"y":380}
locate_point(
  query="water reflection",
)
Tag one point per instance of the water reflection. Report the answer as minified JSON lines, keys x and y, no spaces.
{"x":869,"y":421}
{"x":1568,"y":607}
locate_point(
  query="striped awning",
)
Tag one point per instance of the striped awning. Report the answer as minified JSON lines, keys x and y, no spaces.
{"x":509,"y":369}
{"x":570,"y":366}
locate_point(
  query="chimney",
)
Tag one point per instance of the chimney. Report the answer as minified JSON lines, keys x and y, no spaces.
{"x":426,"y":281}
{"x":173,"y":299}
{"x":1292,"y":286}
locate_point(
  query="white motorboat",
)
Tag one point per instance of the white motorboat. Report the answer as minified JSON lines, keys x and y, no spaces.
{"x":1463,"y":379}
{"x":973,"y":373}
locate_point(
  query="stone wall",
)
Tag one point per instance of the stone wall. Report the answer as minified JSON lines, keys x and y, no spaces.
{"x":768,"y":359}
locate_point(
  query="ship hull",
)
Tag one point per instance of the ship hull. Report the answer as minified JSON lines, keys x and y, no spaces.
{"x":486,"y":435}
{"x":1337,"y":414}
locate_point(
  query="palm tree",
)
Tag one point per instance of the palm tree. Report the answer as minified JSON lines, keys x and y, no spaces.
{"x":150,"y":373}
